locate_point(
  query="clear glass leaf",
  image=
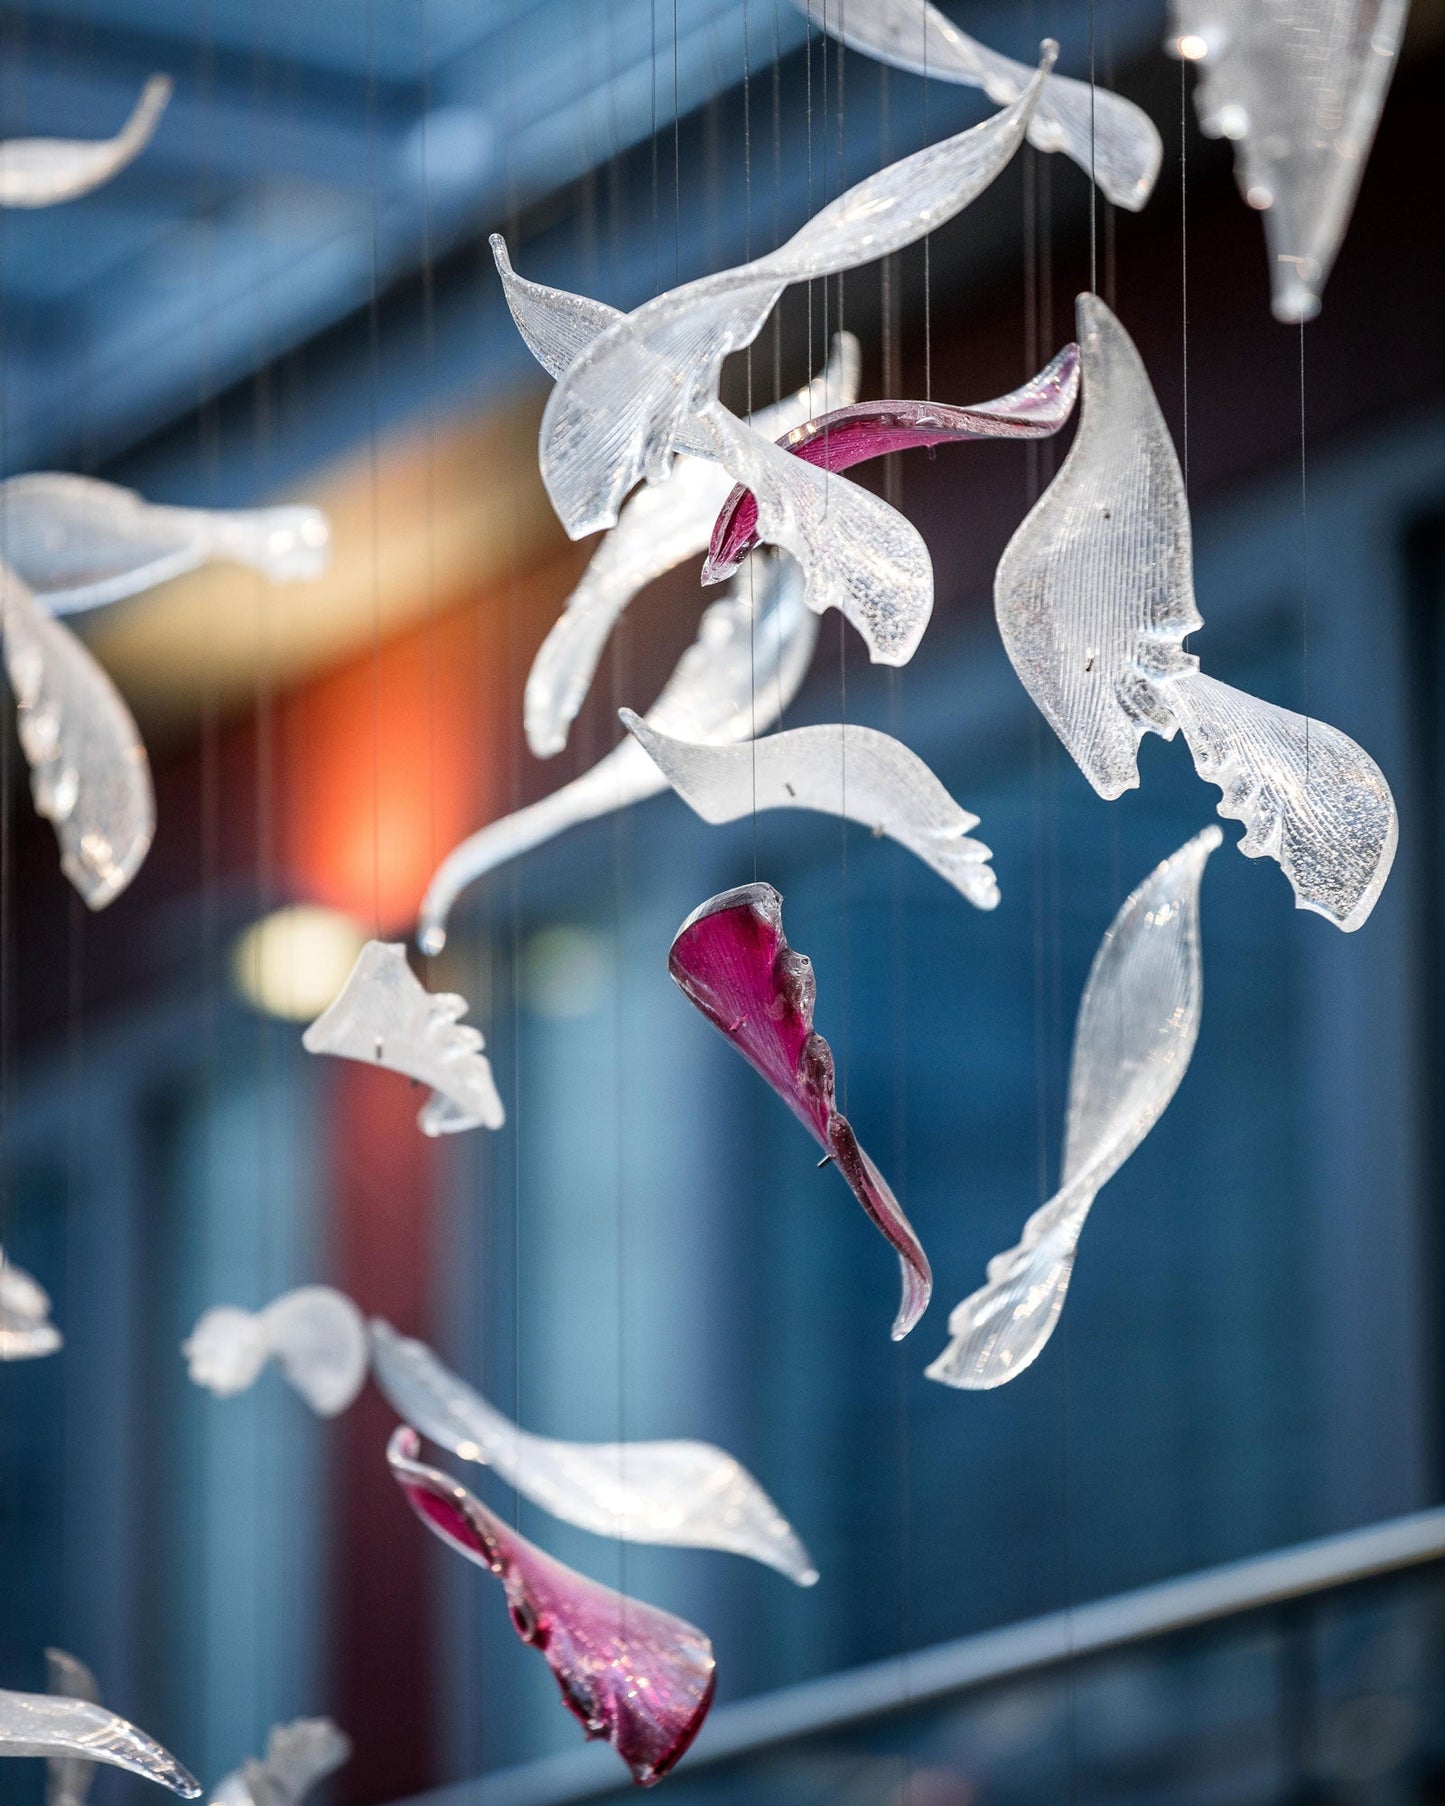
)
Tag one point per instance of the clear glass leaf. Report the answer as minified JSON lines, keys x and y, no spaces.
{"x":26,"y":1331}
{"x":68,"y":1779}
{"x":315,"y":1334}
{"x":630,"y":1673}
{"x":732,"y":961}
{"x":386,"y":1016}
{"x":1137,"y":1025}
{"x":299,"y":1757}
{"x":1109,"y":138}
{"x":40,"y":1724}
{"x":684,"y":1494}
{"x":39,"y":172}
{"x":856,"y":772}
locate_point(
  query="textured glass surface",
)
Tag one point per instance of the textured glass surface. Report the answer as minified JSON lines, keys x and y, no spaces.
{"x":1298,"y":86}
{"x":630,"y":1673}
{"x":838,"y":769}
{"x":386,"y":1016}
{"x":25,"y":1327}
{"x":1107,"y":136}
{"x":750,"y":656}
{"x":41,"y":1724}
{"x":622,"y":406}
{"x":1137,"y":1025}
{"x":1094,"y":596}
{"x":731,"y":959}
{"x":68,"y":1779}
{"x":315,"y":1334}
{"x":78,"y":542}
{"x":88,"y":769}
{"x":687,"y":1494}
{"x":39,"y":172}
{"x":850,"y":435}
{"x":299,"y":1757}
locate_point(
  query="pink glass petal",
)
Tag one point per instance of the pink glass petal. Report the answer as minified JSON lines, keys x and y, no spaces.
{"x":731,"y":959}
{"x":871,"y":429}
{"x":629,"y":1672}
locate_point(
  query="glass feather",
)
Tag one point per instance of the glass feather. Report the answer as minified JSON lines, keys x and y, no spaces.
{"x":40,"y":1724}
{"x":26,"y":1331}
{"x":299,"y":1757}
{"x":315,"y":1334}
{"x":41,"y":172}
{"x":68,"y":1779}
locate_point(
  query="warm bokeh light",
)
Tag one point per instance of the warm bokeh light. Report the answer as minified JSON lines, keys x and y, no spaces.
{"x":1192,"y":47}
{"x":293,"y":962}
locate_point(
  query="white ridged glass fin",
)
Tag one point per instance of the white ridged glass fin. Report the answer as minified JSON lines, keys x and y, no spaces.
{"x":43,"y":1724}
{"x":299,"y":1757}
{"x":26,"y":1331}
{"x":315,"y":1335}
{"x":40,"y":172}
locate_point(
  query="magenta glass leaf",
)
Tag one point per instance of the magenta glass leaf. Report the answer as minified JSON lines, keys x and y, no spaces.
{"x":732,"y":960}
{"x":629,"y":1672}
{"x":872,"y":429}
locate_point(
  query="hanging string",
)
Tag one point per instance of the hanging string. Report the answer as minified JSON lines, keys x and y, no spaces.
{"x":373,"y":388}
{"x":1304,"y":556}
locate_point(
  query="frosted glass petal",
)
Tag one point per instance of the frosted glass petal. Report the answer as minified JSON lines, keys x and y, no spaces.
{"x":315,"y":1334}
{"x":41,"y":1724}
{"x":78,"y":543}
{"x":620,"y":409}
{"x":732,"y":961}
{"x":386,"y":1016}
{"x":1138,"y":1022}
{"x":628,"y":1672}
{"x":88,"y":769}
{"x":685,"y":1494}
{"x":68,"y":1779}
{"x":1298,"y":86}
{"x":1103,"y":133}
{"x":871,"y":429}
{"x":750,"y":656}
{"x":843,"y":770}
{"x":39,"y":172}
{"x":26,"y":1331}
{"x":299,"y":1757}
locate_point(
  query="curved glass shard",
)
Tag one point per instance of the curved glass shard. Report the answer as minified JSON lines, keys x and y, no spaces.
{"x":1110,"y":139}
{"x":657,"y":529}
{"x":1137,"y":1025}
{"x":39,"y":172}
{"x":89,"y":774}
{"x":1094,"y":596}
{"x":386,"y":1016}
{"x":1298,"y":87}
{"x":78,"y":543}
{"x":840,"y":769}
{"x":315,"y":1334}
{"x":628,"y":1672}
{"x":687,"y":1495}
{"x":871,"y":429}
{"x":621,"y":408}
{"x":42,"y":1724}
{"x":68,"y":1779}
{"x":26,"y":1331}
{"x":299,"y":1757}
{"x":732,"y":961}
{"x":556,"y":325}
{"x":750,"y":656}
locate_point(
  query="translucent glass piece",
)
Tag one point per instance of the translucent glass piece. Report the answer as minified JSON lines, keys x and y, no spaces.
{"x":68,"y":1779}
{"x":78,"y":543}
{"x":1094,"y":596}
{"x":628,"y":1672}
{"x":39,"y":172}
{"x":88,"y":769}
{"x":731,"y":959}
{"x":851,"y":771}
{"x":620,"y":409}
{"x":315,"y":1334}
{"x":299,"y":1757}
{"x":385,"y":1015}
{"x":750,"y":656}
{"x":871,"y":429}
{"x":25,"y":1327}
{"x":1298,"y":85}
{"x":685,"y":1494}
{"x":1138,"y":1022}
{"x":42,"y":1724}
{"x":1107,"y":136}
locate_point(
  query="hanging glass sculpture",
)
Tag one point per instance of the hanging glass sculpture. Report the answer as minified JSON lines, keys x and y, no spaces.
{"x":315,"y":1335}
{"x":57,"y":1726}
{"x":299,"y":1757}
{"x":26,"y":1331}
{"x":68,"y":1779}
{"x":40,"y":172}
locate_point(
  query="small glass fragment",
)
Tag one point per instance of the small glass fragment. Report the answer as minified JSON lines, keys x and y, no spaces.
{"x":78,"y":543}
{"x":750,"y":656}
{"x":1298,"y":85}
{"x":88,"y":769}
{"x":68,"y":1779}
{"x":732,"y":961}
{"x":386,"y":1016}
{"x":1137,"y":1025}
{"x":315,"y":1334}
{"x":684,"y":1494}
{"x":299,"y":1757}
{"x":624,"y":405}
{"x":41,"y":1724}
{"x":26,"y":1331}
{"x":1094,"y":596}
{"x":40,"y":172}
{"x":628,"y":1672}
{"x":871,"y":429}
{"x":840,"y":769}
{"x":1113,"y":141}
